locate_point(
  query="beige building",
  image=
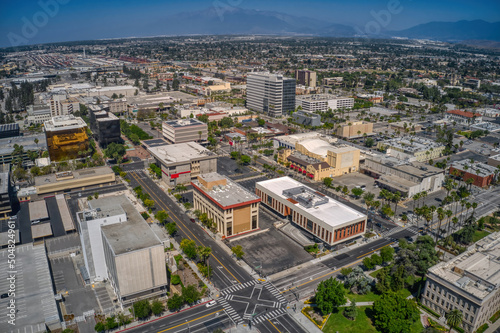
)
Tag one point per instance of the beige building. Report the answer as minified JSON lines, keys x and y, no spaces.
{"x":69,"y":180}
{"x":354,"y":129}
{"x":343,"y":160}
{"x":306,"y":77}
{"x":60,"y":105}
{"x":233,"y":209}
{"x":469,"y":283}
{"x":412,"y":148}
{"x":305,"y":165}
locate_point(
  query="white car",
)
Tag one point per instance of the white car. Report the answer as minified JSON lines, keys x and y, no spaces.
{"x":211,"y":303}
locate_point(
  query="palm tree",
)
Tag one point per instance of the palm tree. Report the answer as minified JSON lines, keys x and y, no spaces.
{"x":454,"y":318}
{"x":440,"y":216}
{"x":448,"y":213}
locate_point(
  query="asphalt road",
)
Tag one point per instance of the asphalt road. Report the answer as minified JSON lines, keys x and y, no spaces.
{"x":226,"y":271}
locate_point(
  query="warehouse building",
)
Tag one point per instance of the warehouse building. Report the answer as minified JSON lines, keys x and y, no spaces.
{"x":185,"y":130}
{"x":234,"y":209}
{"x":328,"y":220}
{"x":469,"y":283}
{"x":412,"y":148}
{"x":61,"y":182}
{"x":354,"y":129}
{"x":181,"y":163}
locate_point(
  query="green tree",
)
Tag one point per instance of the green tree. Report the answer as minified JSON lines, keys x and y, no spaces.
{"x":162,"y":216}
{"x":357,"y":192}
{"x":351,"y":311}
{"x":329,"y":295}
{"x":189,"y":248}
{"x":142,"y":309}
{"x":387,"y":254}
{"x":454,"y":318}
{"x":190,"y":294}
{"x":175,"y":302}
{"x":261,"y":122}
{"x":171,"y":228}
{"x":394,"y":314}
{"x":149,"y":203}
{"x":245,"y":159}
{"x":99,"y":327}
{"x":369,"y":142}
{"x":157,"y":307}
{"x":376,"y":260}
{"x":238,"y":251}
{"x":327,"y":181}
{"x":346,"y":271}
{"x":367,"y":262}
{"x":115,"y":151}
{"x":204,"y":252}
{"x":111,"y":323}
{"x":387,"y":211}
{"x":96,"y":195}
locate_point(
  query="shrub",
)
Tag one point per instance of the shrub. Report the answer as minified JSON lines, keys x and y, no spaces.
{"x":175,"y":280}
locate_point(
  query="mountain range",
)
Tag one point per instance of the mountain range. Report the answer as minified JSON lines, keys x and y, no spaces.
{"x":230,"y":20}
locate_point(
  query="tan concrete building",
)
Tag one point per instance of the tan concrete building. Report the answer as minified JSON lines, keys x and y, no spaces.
{"x":305,"y":165}
{"x":233,"y":209}
{"x":69,"y":180}
{"x":469,"y":283}
{"x":354,"y":129}
{"x":412,"y":148}
{"x":343,"y":160}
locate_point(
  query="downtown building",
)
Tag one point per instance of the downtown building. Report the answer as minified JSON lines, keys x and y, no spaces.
{"x":325,"y":218}
{"x":185,"y":130}
{"x":323,"y":102}
{"x":105,"y":126}
{"x":233,"y":209}
{"x":306,"y":77}
{"x":271,"y":94}
{"x":66,"y":137}
{"x":469,"y":283}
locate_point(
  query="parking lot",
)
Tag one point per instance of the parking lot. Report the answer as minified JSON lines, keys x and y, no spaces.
{"x":272,"y":250}
{"x":356,"y":179}
{"x":228,"y":167}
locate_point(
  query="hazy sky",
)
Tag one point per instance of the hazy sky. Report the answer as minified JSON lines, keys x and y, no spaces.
{"x":91,"y":19}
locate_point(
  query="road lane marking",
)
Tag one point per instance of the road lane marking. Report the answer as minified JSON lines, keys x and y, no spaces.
{"x":187,"y":322}
{"x":274,"y":326}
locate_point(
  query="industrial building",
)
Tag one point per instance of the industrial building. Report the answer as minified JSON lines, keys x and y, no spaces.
{"x":271,"y":94}
{"x":9,"y":130}
{"x":354,"y":129}
{"x":469,"y":283}
{"x":185,"y":130}
{"x":233,"y":209}
{"x":323,"y":102}
{"x":181,"y":163}
{"x":5,"y":191}
{"x":119,"y":245}
{"x":482,"y":174}
{"x":61,"y":182}
{"x":406,"y":177}
{"x":307,"y":118}
{"x":66,"y":137}
{"x":105,"y":127}
{"x":412,"y":148}
{"x":327,"y":219}
{"x":343,"y":160}
{"x":306,"y":77}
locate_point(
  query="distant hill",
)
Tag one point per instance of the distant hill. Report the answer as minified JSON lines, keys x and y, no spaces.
{"x":452,"y":31}
{"x":218,"y":21}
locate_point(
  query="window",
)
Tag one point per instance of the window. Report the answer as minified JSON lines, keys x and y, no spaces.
{"x":254,"y":222}
{"x":309,"y":225}
{"x":269,"y":200}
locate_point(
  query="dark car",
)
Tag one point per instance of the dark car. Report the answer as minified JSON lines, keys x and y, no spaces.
{"x":192,"y":220}
{"x":4,"y":295}
{"x":379,"y":225}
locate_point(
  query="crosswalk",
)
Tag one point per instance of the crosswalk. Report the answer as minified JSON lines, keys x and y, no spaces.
{"x":235,"y":317}
{"x":392,"y":231}
{"x":270,"y":315}
{"x":234,"y":288}
{"x":275,"y":292}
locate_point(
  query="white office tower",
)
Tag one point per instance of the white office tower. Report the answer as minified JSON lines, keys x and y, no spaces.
{"x":271,"y":94}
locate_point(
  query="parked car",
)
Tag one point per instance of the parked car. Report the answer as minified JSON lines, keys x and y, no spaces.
{"x":211,"y":303}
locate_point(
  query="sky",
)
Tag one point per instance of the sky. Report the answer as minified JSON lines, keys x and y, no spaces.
{"x":42,"y":21}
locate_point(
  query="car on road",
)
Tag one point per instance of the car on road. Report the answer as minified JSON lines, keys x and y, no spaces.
{"x":4,"y":295}
{"x":192,"y":220}
{"x":211,"y":303}
{"x":378,"y":224}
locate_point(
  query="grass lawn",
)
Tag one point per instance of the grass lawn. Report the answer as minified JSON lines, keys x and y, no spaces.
{"x":363,"y":323}
{"x":479,"y":234}
{"x":374,"y":274}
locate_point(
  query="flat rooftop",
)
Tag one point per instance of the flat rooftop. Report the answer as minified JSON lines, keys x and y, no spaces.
{"x":61,"y":123}
{"x":180,"y":152}
{"x":478,"y":168}
{"x":294,"y":138}
{"x":412,"y":143}
{"x":226,"y":195}
{"x":34,"y":294}
{"x":328,"y":210}
{"x":38,"y":210}
{"x":28,"y":143}
{"x":320,"y":97}
{"x":184,"y":123}
{"x":415,"y":168}
{"x":71,"y":175}
{"x":9,"y":127}
{"x":476,"y":271}
{"x":4,"y":178}
{"x":41,"y":230}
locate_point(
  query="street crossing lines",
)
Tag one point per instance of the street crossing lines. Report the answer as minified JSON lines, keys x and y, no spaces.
{"x":270,"y":315}
{"x":275,"y":292}
{"x":232,"y":289}
{"x":230,"y":311}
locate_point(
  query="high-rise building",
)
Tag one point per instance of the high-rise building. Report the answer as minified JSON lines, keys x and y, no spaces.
{"x":272,"y":94}
{"x":306,"y":77}
{"x":105,"y":127}
{"x":66,"y":137}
